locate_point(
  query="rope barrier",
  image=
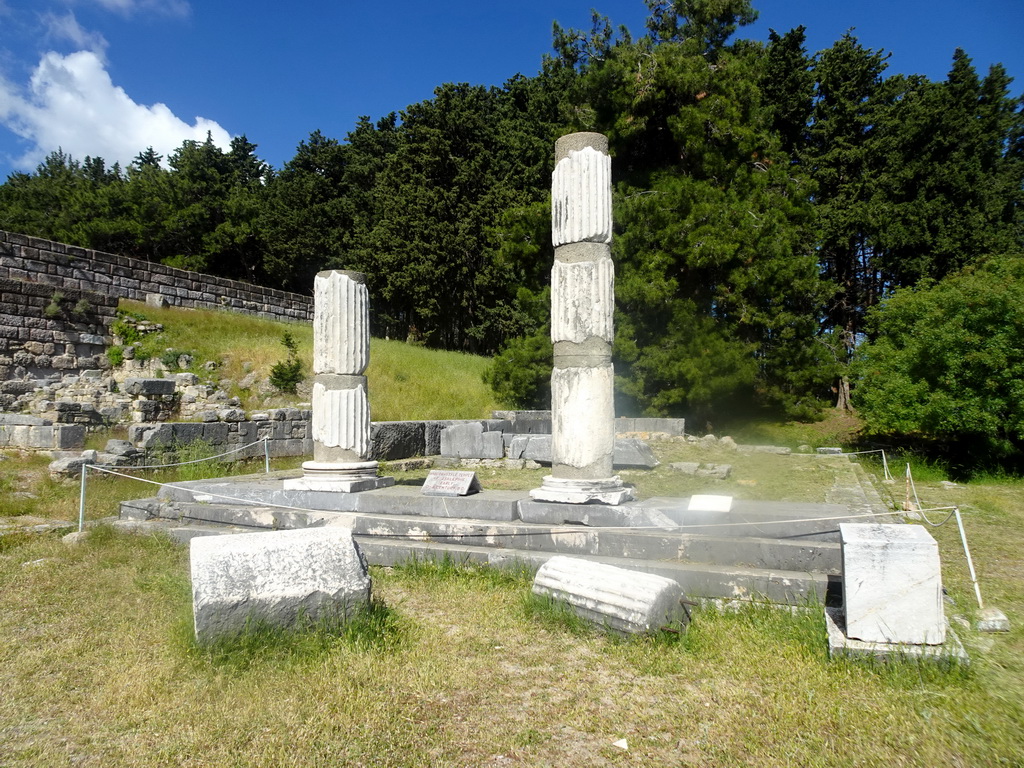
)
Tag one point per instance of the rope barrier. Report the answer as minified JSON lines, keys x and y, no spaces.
{"x":205,"y":458}
{"x":85,"y":467}
{"x":954,"y":512}
{"x":885,"y":463}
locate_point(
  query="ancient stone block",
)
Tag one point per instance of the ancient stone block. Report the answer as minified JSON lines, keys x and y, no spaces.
{"x":470,"y":441}
{"x":391,"y":440}
{"x":892,"y":585}
{"x":281,"y":578}
{"x":149,"y":387}
{"x":633,"y":452}
{"x":432,"y":436}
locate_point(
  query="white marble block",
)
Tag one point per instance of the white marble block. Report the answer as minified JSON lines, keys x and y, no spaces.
{"x":341,"y":327}
{"x":278,"y":578}
{"x":892,"y":585}
{"x":583,"y":300}
{"x":581,"y":198}
{"x":616,"y":598}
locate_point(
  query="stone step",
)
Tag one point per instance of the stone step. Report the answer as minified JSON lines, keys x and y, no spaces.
{"x":789,"y":520}
{"x":785,"y":554}
{"x":696,"y":579}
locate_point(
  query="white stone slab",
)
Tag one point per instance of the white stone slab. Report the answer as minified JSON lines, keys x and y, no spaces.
{"x":281,"y":578}
{"x":892,"y":584}
{"x":616,"y":598}
{"x":609,"y":490}
{"x":709,"y":503}
{"x":840,"y":644}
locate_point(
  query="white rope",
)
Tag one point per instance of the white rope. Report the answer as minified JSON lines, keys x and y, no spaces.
{"x":954,"y":512}
{"x":196,"y":461}
{"x":885,"y":463}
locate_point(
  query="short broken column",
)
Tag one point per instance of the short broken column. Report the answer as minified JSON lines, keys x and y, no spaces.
{"x":341,"y":410}
{"x":582,"y":312}
{"x":613,"y":598}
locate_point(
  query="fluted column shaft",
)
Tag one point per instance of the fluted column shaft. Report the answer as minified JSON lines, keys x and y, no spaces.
{"x":341,"y":352}
{"x":582,"y":327}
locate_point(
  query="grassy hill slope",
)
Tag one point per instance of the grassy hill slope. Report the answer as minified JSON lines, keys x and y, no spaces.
{"x":405,"y":381}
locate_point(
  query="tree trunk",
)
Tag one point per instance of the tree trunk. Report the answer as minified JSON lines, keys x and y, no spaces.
{"x":843,"y":395}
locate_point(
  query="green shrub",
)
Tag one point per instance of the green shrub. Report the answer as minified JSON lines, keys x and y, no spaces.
{"x":286,"y":375}
{"x":170,"y":357}
{"x":520,"y":375}
{"x":53,"y":308}
{"x":115,"y":355}
{"x":124,"y":326}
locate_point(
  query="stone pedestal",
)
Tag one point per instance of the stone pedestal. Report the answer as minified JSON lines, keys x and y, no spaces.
{"x":892,"y":586}
{"x":582,"y":312}
{"x":341,"y":411}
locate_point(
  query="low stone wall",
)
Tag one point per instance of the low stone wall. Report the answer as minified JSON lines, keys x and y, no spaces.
{"x":673,"y":427}
{"x":70,"y":268}
{"x":539,"y":423}
{"x":288,"y":431}
{"x":47,"y":331}
{"x":30,"y":433}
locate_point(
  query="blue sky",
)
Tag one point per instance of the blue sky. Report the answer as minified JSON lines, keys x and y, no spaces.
{"x":110,"y":77}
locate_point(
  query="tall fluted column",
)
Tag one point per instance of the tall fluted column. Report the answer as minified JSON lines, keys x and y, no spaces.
{"x":582,"y":311}
{"x":341,"y":411}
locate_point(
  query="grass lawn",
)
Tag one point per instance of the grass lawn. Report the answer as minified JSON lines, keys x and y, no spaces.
{"x":457,"y":667}
{"x":404,"y":381}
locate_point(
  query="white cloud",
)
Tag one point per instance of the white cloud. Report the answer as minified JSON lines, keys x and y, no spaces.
{"x":168,"y":7}
{"x":71,"y":103}
{"x":66,"y":27}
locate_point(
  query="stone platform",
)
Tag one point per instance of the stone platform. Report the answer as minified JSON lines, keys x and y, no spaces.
{"x":781,"y":551}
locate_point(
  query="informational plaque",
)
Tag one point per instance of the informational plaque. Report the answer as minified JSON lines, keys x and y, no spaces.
{"x":707,"y":503}
{"x":450,"y":482}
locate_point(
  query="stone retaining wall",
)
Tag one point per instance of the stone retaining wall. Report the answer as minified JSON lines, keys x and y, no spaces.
{"x":70,"y":268}
{"x":287,"y":429}
{"x":48,"y":330}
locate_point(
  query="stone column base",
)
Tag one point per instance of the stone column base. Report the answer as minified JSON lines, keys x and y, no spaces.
{"x":341,"y":477}
{"x":608,"y":490}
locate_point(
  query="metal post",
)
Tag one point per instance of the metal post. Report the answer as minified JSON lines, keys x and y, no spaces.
{"x":81,"y":502}
{"x":970,"y":563}
{"x":266,"y":455}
